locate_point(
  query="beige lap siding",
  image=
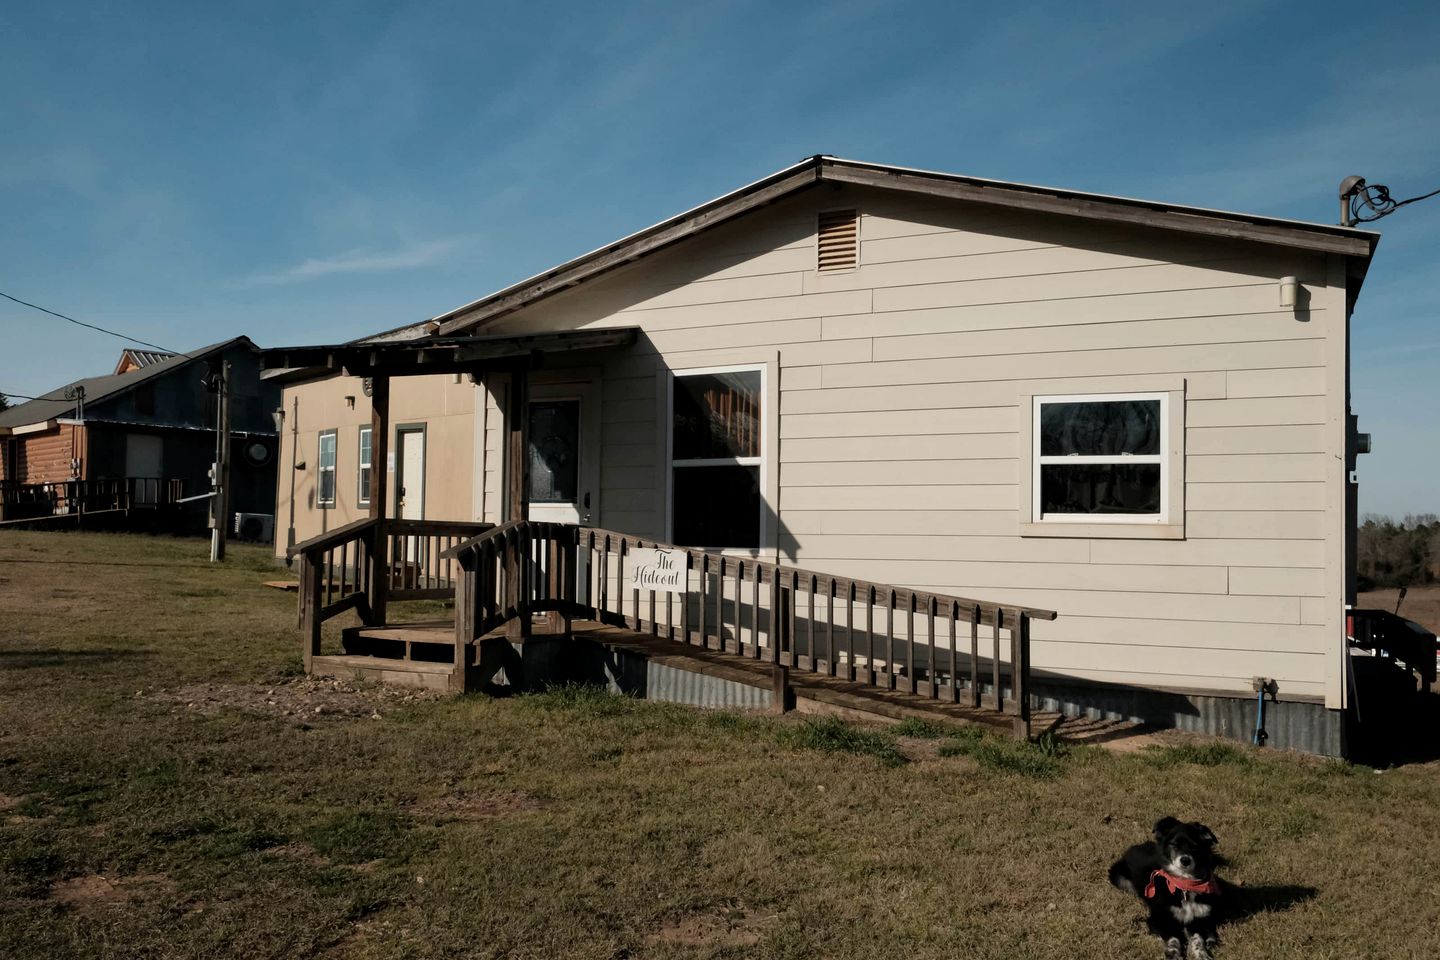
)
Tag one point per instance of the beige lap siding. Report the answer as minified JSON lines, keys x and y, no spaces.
{"x":898,"y":425}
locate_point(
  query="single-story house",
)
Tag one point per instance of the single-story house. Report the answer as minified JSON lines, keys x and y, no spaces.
{"x":1133,"y":413}
{"x":136,"y":441}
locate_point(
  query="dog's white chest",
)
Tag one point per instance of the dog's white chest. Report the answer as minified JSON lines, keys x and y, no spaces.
{"x":1188,"y":911}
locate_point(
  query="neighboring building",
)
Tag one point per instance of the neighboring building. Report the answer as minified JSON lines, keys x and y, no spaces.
{"x":141,"y":437}
{"x":1133,"y":413}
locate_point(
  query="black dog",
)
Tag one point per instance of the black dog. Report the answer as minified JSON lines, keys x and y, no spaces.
{"x":1175,"y":875}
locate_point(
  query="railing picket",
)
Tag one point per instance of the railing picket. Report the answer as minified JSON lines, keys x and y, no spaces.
{"x":870,"y":634}
{"x":830,"y":627}
{"x":755,"y":609}
{"x":995,"y":661}
{"x":910,"y":643}
{"x":954,"y":675}
{"x":850,"y":631}
{"x":740,"y":607}
{"x":975,"y":656}
{"x":700,"y":600}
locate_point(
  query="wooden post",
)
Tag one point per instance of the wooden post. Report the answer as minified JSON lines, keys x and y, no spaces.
{"x":465,"y":633}
{"x":311,"y":577}
{"x":1020,"y":674}
{"x":220,"y":505}
{"x":518,"y":450}
{"x":780,"y":687}
{"x":378,"y":553}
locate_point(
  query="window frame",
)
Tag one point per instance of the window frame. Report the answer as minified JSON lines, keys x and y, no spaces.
{"x":364,"y":462}
{"x":321,"y":469}
{"x":670,"y":463}
{"x":1168,"y":524}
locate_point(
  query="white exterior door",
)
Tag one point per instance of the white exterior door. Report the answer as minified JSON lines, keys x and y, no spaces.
{"x":564,"y":438}
{"x":410,"y":474}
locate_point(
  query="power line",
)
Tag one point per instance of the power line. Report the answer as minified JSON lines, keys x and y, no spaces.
{"x":1362,"y":196}
{"x":15,"y":396}
{"x":91,"y":326}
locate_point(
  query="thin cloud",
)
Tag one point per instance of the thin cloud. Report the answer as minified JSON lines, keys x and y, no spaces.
{"x":361,"y":261}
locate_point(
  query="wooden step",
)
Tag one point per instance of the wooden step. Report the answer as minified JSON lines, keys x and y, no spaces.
{"x":405,"y":673}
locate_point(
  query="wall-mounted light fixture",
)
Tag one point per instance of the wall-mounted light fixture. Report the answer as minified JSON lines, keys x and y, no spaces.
{"x":278,"y":415}
{"x":1289,"y":292}
{"x":350,"y":401}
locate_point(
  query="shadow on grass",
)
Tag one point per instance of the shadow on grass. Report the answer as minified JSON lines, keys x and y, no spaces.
{"x":1242,"y":903}
{"x":29,"y":659}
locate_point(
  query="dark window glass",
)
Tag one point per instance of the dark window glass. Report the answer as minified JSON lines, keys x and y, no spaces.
{"x":365,"y":465}
{"x":1100,"y":428}
{"x":554,"y":450}
{"x":1100,"y":488}
{"x":145,"y":400}
{"x":327,"y":468}
{"x":717,"y":506}
{"x":717,"y":415}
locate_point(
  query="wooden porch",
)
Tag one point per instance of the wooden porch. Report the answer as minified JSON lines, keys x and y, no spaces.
{"x":527,"y":592}
{"x":76,"y":498}
{"x":522,"y":586}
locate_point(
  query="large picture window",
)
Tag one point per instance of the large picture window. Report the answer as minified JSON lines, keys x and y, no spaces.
{"x":716,"y":457}
{"x":1101,"y":458}
{"x":363,"y":468}
{"x":325,"y":492}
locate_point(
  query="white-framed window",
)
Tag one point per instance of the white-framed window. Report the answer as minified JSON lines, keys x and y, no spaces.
{"x":363,"y":468}
{"x":1100,"y":458}
{"x":325,"y":491}
{"x":717,"y":442}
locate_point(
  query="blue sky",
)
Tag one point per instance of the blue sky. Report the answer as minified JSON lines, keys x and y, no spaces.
{"x":307,"y":173}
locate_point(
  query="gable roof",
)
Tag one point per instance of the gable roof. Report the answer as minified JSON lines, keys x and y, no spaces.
{"x":1295,"y":234}
{"x":54,"y":406}
{"x":131,"y":358}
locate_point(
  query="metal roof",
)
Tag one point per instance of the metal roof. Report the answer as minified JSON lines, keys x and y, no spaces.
{"x":53,"y":405}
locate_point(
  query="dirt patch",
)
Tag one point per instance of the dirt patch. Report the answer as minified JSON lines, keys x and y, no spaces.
{"x":303,"y":700}
{"x":726,"y":929}
{"x":92,"y":891}
{"x":8,"y":802}
{"x":478,"y":805}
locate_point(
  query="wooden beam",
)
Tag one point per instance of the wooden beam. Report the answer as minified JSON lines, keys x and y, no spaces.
{"x":379,"y":444}
{"x":517,"y":449}
{"x":377,"y":552}
{"x":1090,"y":208}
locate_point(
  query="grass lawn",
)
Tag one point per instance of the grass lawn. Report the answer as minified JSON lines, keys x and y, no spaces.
{"x":167,"y":789}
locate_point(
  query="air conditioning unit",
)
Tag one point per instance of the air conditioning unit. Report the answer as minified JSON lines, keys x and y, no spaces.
{"x":255,"y":526}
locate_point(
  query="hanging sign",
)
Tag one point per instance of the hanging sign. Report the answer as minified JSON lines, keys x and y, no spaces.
{"x":656,"y":571}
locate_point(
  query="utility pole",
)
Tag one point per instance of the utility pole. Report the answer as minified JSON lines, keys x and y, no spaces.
{"x":220,"y":470}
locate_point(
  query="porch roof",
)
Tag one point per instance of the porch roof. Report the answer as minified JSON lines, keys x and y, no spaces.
{"x":401,"y":358}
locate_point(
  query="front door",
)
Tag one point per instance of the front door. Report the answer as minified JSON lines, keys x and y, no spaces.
{"x":563,"y":431}
{"x":410,"y":473}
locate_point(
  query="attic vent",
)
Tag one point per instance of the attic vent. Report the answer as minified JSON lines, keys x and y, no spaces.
{"x":839,"y":247}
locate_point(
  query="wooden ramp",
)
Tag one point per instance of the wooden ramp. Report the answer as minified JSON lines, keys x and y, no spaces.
{"x":420,"y":654}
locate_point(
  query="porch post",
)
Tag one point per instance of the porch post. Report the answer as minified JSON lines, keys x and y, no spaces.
{"x":517,"y":456}
{"x":378,"y":554}
{"x":518,"y":451}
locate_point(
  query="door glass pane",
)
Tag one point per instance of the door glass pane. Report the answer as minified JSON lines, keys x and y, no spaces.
{"x":1099,"y":428}
{"x":1128,"y":488}
{"x":717,"y":506}
{"x":554,"y":451}
{"x":717,"y":415}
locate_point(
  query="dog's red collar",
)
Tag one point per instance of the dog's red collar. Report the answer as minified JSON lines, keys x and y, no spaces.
{"x":1176,"y":884}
